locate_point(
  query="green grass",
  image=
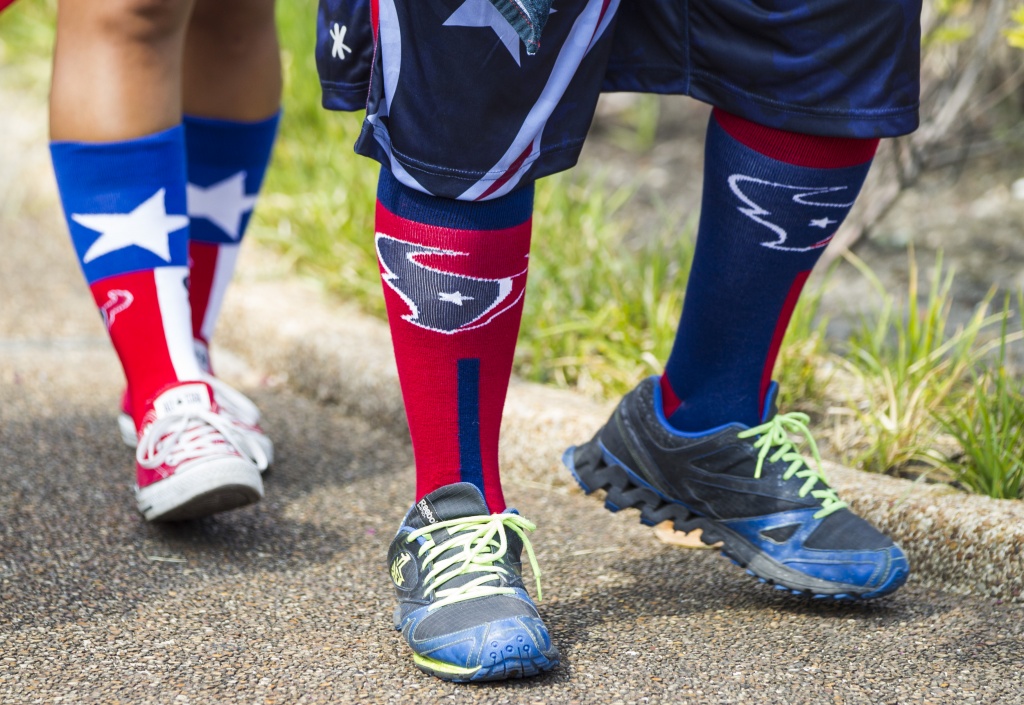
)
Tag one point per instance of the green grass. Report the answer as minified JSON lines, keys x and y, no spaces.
{"x":599,"y":312}
{"x":907,"y":393}
{"x":910,"y":364}
{"x":988,"y":424}
{"x":318,"y":202}
{"x":915,"y":393}
{"x":26,"y":44}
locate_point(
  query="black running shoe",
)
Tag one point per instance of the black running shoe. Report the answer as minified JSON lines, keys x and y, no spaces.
{"x":461,"y":602}
{"x":749,"y":488}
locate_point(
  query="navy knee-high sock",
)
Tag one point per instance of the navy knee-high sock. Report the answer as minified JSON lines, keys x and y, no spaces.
{"x":772,"y":201}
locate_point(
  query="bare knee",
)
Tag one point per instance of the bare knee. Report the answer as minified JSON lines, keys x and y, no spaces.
{"x":132,"y":21}
{"x":229,"y":25}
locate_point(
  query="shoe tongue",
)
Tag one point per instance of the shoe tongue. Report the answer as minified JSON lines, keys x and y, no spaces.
{"x":461,"y":499}
{"x":183,"y":398}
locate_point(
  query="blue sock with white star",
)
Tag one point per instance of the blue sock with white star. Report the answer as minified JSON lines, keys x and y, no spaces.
{"x":226,"y":164}
{"x":125,"y":207}
{"x":772,"y":201}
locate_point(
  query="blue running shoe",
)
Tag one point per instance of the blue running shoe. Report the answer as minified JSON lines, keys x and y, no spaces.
{"x":749,"y":488}
{"x":461,"y":602}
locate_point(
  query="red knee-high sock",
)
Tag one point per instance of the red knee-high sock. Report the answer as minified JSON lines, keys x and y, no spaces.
{"x":454,"y":277}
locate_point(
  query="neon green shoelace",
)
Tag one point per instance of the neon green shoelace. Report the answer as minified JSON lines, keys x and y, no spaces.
{"x":481,"y":542}
{"x":776,"y":434}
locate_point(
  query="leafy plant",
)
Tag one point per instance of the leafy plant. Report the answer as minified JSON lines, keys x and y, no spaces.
{"x":909,"y":366}
{"x":1015,"y":34}
{"x":600,"y":312}
{"x":988,"y":424}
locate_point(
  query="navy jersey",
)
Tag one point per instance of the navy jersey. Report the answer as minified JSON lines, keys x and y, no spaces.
{"x":464,"y":103}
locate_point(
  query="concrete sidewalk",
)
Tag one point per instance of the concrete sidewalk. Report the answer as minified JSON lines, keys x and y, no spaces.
{"x":289,"y":601}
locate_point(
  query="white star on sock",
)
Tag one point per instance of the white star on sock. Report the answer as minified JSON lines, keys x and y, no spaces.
{"x":481,"y":13}
{"x":823,"y":222}
{"x":148,"y":226}
{"x":223,"y":203}
{"x":454,"y":298}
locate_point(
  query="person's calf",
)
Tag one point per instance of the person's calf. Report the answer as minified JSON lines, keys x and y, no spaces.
{"x":454,"y":277}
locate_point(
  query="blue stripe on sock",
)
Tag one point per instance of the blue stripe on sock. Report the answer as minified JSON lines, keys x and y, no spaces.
{"x":470,"y":463}
{"x":497,"y":214}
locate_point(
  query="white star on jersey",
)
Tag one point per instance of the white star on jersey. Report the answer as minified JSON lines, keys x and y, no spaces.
{"x":148,"y":226}
{"x":223,"y":203}
{"x":481,"y":13}
{"x":454,"y":298}
{"x":338,"y":35}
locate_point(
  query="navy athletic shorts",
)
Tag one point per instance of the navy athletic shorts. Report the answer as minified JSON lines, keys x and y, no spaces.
{"x":456,"y":107}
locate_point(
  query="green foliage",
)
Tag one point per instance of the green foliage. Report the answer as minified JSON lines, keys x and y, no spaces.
{"x":953,"y":24}
{"x":988,"y":424}
{"x":1015,"y":34}
{"x":911,"y":366}
{"x":600,"y":313}
{"x":26,"y":44}
{"x":638,"y":125}
{"x":318,"y":201}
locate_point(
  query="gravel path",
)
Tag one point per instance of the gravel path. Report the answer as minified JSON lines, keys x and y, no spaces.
{"x":289,"y":601}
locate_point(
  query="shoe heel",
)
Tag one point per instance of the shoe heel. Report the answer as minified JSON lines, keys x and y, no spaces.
{"x":594,"y":469}
{"x":585,"y":463}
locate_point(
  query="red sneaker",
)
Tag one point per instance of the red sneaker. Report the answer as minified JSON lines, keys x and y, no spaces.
{"x":191,"y":460}
{"x":234,"y":406}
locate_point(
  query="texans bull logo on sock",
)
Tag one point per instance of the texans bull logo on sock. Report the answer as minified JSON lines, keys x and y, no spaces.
{"x":440,"y":300}
{"x":796,"y":229}
{"x":117,"y":301}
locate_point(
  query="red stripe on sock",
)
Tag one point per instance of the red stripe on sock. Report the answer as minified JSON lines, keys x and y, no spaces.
{"x":780,"y":333}
{"x":669,"y":401}
{"x":131,"y":310}
{"x":793,"y":148}
{"x":202,"y":267}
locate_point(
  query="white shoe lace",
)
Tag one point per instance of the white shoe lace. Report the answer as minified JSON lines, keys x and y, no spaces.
{"x":232,"y":402}
{"x":175,"y":438}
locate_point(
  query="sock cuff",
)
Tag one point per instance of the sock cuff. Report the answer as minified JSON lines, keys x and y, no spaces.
{"x":135,"y":157}
{"x":497,"y":214}
{"x":105,"y":185}
{"x":811,"y":151}
{"x":230,"y":143}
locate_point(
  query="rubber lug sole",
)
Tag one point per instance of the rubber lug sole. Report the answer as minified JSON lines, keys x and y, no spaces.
{"x":507,"y":668}
{"x":592,"y":472}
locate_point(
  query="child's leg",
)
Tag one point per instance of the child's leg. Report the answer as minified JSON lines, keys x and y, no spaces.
{"x":232,"y":94}
{"x":119,"y":159}
{"x":772,"y":201}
